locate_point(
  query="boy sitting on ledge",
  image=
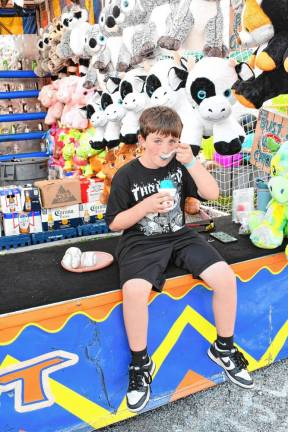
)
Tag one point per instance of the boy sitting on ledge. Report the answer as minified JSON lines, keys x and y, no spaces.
{"x":155,"y":233}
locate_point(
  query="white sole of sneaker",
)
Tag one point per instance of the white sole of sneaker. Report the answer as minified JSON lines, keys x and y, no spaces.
{"x":135,"y":410}
{"x":218,"y":362}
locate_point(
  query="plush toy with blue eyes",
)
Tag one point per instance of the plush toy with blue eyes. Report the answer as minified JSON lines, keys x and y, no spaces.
{"x":208,"y":88}
{"x":95,"y":48}
{"x":160,"y":92}
{"x":109,"y":26}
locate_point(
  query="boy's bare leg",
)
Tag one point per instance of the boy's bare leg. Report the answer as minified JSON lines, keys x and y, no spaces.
{"x":135,"y":310}
{"x":221,"y":278}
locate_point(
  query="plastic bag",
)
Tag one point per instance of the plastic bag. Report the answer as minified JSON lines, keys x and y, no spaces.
{"x":242,"y":203}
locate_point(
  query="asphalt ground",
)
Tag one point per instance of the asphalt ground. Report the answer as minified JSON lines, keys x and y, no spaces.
{"x":223,"y":408}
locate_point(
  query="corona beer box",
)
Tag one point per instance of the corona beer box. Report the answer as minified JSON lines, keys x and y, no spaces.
{"x":91,"y":212}
{"x":59,"y":193}
{"x":62,"y":217}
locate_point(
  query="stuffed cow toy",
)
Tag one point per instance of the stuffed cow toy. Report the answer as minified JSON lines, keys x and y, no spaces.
{"x":269,"y":228}
{"x":265,"y":26}
{"x":208,"y":88}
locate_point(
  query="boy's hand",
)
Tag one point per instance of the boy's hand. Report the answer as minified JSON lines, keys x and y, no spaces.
{"x":184,"y":153}
{"x":159,"y":202}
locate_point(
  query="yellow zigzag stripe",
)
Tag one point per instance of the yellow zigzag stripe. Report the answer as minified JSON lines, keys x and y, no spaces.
{"x":97,"y":417}
{"x":116,"y":304}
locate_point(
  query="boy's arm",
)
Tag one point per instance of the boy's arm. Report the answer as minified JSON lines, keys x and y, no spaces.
{"x":206,"y":184}
{"x":128,"y":218}
{"x":155,"y":203}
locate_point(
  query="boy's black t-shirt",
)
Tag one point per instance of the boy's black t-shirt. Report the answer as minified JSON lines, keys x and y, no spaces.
{"x":133,"y":182}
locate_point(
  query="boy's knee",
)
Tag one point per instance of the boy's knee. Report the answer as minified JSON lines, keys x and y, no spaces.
{"x":136,"y":289}
{"x":219,"y":274}
{"x":226,"y":271}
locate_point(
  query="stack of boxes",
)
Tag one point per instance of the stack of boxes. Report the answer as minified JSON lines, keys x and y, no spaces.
{"x":51,"y":205}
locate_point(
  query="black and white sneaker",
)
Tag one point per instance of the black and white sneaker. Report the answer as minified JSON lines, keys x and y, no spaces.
{"x":234,"y":364}
{"x":140,"y":378}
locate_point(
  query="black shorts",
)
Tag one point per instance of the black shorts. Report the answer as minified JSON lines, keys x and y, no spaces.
{"x":148,"y":257}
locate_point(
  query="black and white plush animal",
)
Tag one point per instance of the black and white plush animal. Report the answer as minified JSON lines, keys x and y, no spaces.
{"x":134,"y":101}
{"x":98,"y":119}
{"x":160,"y":92}
{"x":112,"y":105}
{"x":208,"y":87}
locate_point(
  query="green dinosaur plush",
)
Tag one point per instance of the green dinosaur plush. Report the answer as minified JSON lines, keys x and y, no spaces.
{"x":269,"y":228}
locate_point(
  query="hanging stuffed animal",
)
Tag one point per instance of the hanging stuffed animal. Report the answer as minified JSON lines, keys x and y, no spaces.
{"x":120,"y":57}
{"x":208,"y":87}
{"x":95,"y":48}
{"x":43,"y":53}
{"x":269,"y":228}
{"x":77,"y":45}
{"x":112,"y":105}
{"x":132,"y":16}
{"x":134,"y":100}
{"x":98,"y":119}
{"x":264,"y":26}
{"x":48,"y":98}
{"x":173,"y":95}
{"x":143,"y":23}
{"x":193,"y":24}
{"x":73,"y":16}
{"x":73,"y":116}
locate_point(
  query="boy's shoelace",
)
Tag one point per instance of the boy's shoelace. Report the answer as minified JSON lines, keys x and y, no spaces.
{"x":136,"y":376}
{"x":239,"y":360}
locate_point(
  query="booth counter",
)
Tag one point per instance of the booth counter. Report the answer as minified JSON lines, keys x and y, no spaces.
{"x":63,"y":348}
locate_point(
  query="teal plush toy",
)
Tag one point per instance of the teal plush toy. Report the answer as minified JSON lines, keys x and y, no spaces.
{"x":269,"y":228}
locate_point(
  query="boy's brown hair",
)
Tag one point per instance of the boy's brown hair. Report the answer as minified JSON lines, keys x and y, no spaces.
{"x":162,"y":120}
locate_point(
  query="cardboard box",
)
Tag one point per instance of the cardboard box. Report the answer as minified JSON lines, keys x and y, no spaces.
{"x":22,"y":223}
{"x":59,"y":193}
{"x":59,"y":218}
{"x":92,"y":212}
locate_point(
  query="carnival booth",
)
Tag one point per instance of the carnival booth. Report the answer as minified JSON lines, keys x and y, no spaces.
{"x":70,"y":101}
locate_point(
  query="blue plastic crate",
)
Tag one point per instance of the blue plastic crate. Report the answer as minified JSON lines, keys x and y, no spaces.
{"x":50,"y":236}
{"x":95,"y":228}
{"x":9,"y":242}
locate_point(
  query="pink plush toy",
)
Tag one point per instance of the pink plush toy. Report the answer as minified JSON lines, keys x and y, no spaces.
{"x":72,"y":115}
{"x":66,"y":88}
{"x":48,"y":98}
